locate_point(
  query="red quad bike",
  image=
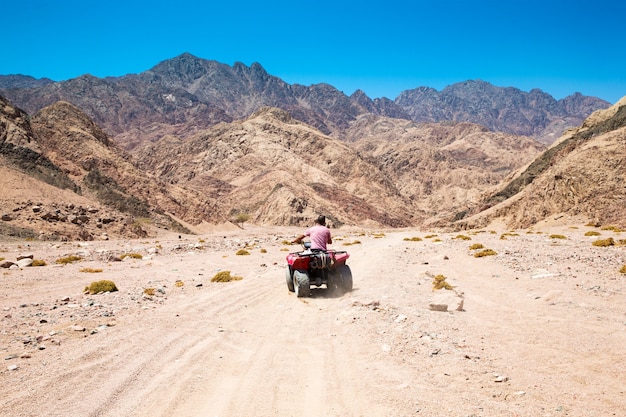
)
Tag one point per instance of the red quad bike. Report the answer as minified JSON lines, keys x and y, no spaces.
{"x":318,"y":267}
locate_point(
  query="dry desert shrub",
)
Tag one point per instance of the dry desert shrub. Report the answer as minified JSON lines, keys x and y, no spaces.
{"x":132,"y":255}
{"x":413,"y":239}
{"x":356,"y":242}
{"x":485,"y":252}
{"x":149,"y":291}
{"x":68,"y":259}
{"x":558,"y":237}
{"x":91,"y":270}
{"x":378,"y":235}
{"x":592,"y":233}
{"x":97,"y":287}
{"x":504,"y":236}
{"x":463,"y":237}
{"x":263,"y":250}
{"x":604,"y":242}
{"x":439,"y":282}
{"x":179,"y":283}
{"x":38,"y":262}
{"x":612,"y":228}
{"x":623,"y":269}
{"x":430,"y":236}
{"x":242,"y":252}
{"x":225,"y":276}
{"x":476,"y":246}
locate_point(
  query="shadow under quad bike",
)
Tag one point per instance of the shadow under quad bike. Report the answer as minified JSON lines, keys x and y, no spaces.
{"x":317,"y":267}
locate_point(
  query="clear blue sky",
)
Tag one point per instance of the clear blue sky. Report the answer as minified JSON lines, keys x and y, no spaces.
{"x":381,"y":47}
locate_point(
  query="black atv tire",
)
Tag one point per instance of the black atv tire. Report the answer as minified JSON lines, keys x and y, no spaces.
{"x":344,"y":278}
{"x":301,"y":283}
{"x":289,"y":279}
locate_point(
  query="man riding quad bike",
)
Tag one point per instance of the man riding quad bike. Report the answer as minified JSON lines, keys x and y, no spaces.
{"x":316,"y":265}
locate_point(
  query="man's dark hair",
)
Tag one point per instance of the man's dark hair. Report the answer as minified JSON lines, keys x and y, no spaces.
{"x":321,"y":220}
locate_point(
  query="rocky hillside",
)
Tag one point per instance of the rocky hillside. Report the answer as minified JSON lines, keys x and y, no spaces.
{"x":440,"y":168}
{"x":186,"y":94}
{"x":281,"y":171}
{"x":583,"y":173}
{"x":63,"y":178}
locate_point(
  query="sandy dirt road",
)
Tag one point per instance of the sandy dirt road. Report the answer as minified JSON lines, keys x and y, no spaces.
{"x":542,"y":331}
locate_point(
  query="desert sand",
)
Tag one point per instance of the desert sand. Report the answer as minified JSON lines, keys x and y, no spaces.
{"x":541,"y":330}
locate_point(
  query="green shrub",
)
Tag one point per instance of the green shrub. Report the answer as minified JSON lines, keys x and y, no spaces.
{"x":101,"y":286}
{"x":68,"y":259}
{"x":225,"y":276}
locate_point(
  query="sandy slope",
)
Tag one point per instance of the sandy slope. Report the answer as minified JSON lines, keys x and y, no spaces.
{"x":543,"y":331}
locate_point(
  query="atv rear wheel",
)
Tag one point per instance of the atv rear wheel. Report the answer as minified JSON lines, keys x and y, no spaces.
{"x":289,"y":279}
{"x":344,"y":275}
{"x":301,"y":283}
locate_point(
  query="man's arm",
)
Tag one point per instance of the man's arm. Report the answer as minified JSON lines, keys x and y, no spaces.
{"x":298,"y":239}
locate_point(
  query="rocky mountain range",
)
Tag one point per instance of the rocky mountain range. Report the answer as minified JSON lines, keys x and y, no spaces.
{"x":183,"y":95}
{"x":192,"y":142}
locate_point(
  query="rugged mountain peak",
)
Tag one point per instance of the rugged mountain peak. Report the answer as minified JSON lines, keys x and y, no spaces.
{"x":185,"y":66}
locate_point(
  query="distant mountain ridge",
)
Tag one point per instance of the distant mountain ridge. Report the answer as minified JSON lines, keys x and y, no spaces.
{"x":185,"y":94}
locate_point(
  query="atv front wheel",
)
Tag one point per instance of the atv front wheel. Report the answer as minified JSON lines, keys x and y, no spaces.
{"x":289,"y":279}
{"x":301,"y":284}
